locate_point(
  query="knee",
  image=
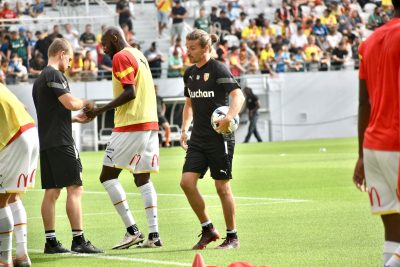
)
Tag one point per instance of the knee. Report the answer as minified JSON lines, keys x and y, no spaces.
{"x":74,"y":191}
{"x":223,"y":191}
{"x":187,"y":185}
{"x":53,"y":194}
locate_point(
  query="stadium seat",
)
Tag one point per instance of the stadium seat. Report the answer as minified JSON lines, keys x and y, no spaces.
{"x":104,"y":135}
{"x":306,"y":10}
{"x":175,"y":133}
{"x":232,"y":40}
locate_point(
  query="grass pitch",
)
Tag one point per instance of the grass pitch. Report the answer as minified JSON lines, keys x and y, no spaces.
{"x":296,"y":206}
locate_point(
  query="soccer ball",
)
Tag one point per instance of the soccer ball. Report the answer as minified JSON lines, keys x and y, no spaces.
{"x":221,"y":113}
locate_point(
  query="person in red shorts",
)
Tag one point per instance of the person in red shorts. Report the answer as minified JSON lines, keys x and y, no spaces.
{"x":377,"y":168}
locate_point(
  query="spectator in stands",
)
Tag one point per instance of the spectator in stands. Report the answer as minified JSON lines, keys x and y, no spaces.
{"x":213,"y":18}
{"x":89,"y":67}
{"x":308,"y":27}
{"x":288,"y":29}
{"x":282,"y":59}
{"x":124,"y":13}
{"x":333,"y":38}
{"x":319,"y":30}
{"x":36,"y":9}
{"x":339,"y":56}
{"x":375,"y":20}
{"x":178,"y":14}
{"x":234,"y":62}
{"x":233,"y":11}
{"x":251,"y":33}
{"x":282,"y":13}
{"x":163,"y":10}
{"x":298,"y":40}
{"x":225,"y":22}
{"x":312,"y":48}
{"x":355,"y":20}
{"x":88,"y":39}
{"x":354,"y":48}
{"x":162,"y":121}
{"x":178,"y":47}
{"x":324,"y":62}
{"x":264,"y":37}
{"x":72,"y":36}
{"x":4,"y":69}
{"x":128,"y":34}
{"x":296,"y":14}
{"x":328,"y":19}
{"x":155,"y":58}
{"x":17,"y":72}
{"x":7,"y":12}
{"x":5,"y":44}
{"x":76,"y":66}
{"x":42,"y":45}
{"x":266,"y":59}
{"x":55,"y":34}
{"x":252,"y":105}
{"x":175,"y":65}
{"x":31,"y":41}
{"x":313,"y":63}
{"x":247,"y":58}
{"x":105,"y":68}
{"x":269,"y":29}
{"x":222,"y":51}
{"x":20,"y":47}
{"x":239,"y":24}
{"x":298,"y":60}
{"x":202,"y":22}
{"x":36,"y":65}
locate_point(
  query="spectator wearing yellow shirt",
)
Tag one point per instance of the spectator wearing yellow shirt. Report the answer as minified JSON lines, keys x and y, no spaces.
{"x":328,"y":18}
{"x":312,"y":48}
{"x":89,"y":68}
{"x":251,"y":32}
{"x":76,"y":66}
{"x":163,"y":10}
{"x":266,"y":58}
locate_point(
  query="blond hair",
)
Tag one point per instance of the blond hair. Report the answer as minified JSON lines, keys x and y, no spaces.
{"x":57,"y":46}
{"x":203,"y":37}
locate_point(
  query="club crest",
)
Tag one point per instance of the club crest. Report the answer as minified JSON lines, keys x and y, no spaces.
{"x":206,"y":76}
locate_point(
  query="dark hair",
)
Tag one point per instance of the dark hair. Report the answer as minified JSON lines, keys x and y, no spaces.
{"x":203,"y":37}
{"x":249,"y":92}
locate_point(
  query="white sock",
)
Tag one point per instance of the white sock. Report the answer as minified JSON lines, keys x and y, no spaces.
{"x":118,"y":198}
{"x":20,"y":225}
{"x":391,"y":254}
{"x":205,"y":223}
{"x":149,"y":196}
{"x":6,"y":229}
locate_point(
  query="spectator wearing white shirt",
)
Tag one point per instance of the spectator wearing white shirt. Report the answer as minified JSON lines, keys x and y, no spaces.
{"x":240,"y":23}
{"x":333,"y":38}
{"x":71,"y":35}
{"x":298,"y":40}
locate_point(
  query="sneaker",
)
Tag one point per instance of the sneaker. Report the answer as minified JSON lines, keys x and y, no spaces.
{"x":22,"y":262}
{"x":129,"y":240}
{"x":85,"y":247}
{"x":207,"y":236}
{"x":49,"y":249}
{"x":149,"y":243}
{"x":229,"y":243}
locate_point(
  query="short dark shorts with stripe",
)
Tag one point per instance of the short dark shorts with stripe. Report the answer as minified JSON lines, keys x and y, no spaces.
{"x":60,"y":167}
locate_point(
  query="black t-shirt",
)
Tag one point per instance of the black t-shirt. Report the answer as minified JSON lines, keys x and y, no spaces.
{"x":122,"y":5}
{"x":208,"y":88}
{"x":178,"y":11}
{"x":225,"y":24}
{"x":54,"y":120}
{"x":88,"y":38}
{"x":42,"y":45}
{"x":251,"y":102}
{"x":340,"y":54}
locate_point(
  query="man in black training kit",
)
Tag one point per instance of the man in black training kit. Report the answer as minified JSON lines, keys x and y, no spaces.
{"x":208,"y":85}
{"x":59,"y":159}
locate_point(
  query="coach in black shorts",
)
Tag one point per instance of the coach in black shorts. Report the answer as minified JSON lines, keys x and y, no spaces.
{"x":59,"y":160}
{"x":208,"y":85}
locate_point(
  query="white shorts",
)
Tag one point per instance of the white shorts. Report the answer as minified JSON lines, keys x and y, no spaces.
{"x":135,"y":151}
{"x":18,"y":163}
{"x":381,"y":172}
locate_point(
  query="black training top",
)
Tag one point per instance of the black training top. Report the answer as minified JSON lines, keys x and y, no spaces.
{"x":54,"y":120}
{"x":208,"y":88}
{"x":251,"y":102}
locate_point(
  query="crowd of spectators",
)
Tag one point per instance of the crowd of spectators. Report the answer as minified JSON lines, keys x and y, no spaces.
{"x":302,"y":35}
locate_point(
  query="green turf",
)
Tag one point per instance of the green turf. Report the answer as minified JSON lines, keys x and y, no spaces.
{"x":333,"y":227}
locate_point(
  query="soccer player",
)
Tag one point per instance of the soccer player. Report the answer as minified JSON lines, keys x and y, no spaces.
{"x":60,"y":164}
{"x":19,"y":150}
{"x":208,"y":84}
{"x":377,"y":168}
{"x":134,"y":141}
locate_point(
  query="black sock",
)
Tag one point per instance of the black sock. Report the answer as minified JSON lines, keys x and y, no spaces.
{"x":132,"y":229}
{"x":51,"y":237}
{"x":78,"y":238}
{"x":208,"y":226}
{"x":153,"y":236}
{"x":231,"y":235}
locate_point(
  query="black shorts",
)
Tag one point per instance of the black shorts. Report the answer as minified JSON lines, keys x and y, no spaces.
{"x":201,"y":156}
{"x":60,"y":167}
{"x":161,"y":120}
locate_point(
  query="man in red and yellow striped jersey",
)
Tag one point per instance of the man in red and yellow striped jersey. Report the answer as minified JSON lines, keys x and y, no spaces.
{"x":134,"y":142}
{"x":19,"y":150}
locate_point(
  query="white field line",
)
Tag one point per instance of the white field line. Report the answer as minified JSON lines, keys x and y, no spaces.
{"x":120,"y":258}
{"x":185,"y":208}
{"x":183,"y":195}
